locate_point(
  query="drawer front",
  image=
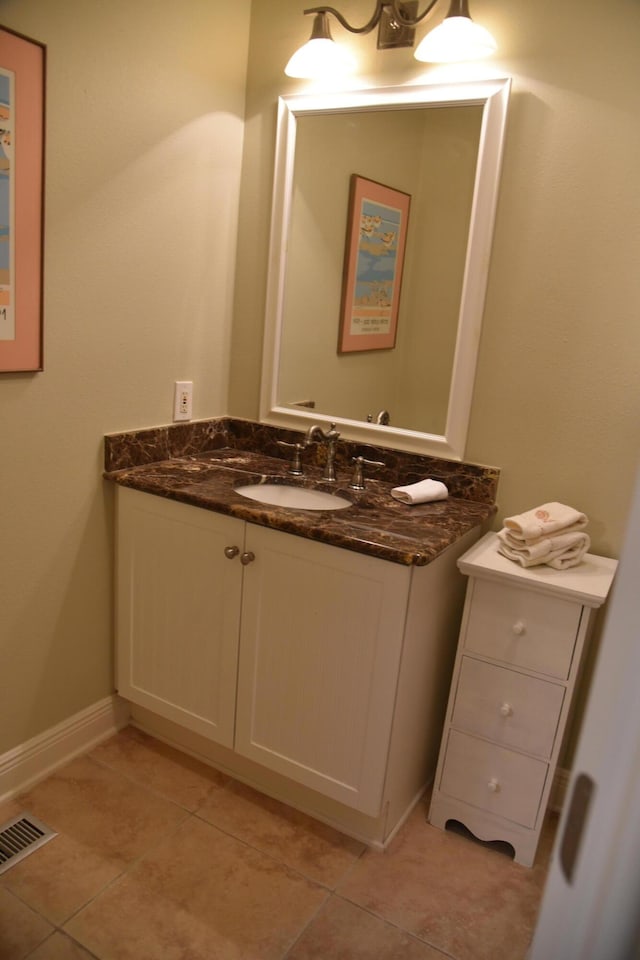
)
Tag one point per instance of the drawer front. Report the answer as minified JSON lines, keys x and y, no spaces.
{"x":521,"y":627}
{"x":508,"y":707}
{"x":493,"y":778}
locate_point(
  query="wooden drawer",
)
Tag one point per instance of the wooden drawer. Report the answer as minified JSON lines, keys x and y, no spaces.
{"x":493,"y":778}
{"x":521,"y":627}
{"x":511,"y":708}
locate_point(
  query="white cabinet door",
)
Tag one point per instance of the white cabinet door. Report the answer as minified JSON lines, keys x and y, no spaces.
{"x":321,"y":641}
{"x":178,"y":611}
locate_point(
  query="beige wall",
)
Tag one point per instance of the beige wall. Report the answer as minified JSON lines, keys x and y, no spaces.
{"x":145,"y":104}
{"x":557,"y":393}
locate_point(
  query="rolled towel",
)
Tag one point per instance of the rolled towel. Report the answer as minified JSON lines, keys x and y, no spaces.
{"x":570,"y":558}
{"x":512,"y":540}
{"x":559,"y":551}
{"x":544,"y":520}
{"x":424,"y":491}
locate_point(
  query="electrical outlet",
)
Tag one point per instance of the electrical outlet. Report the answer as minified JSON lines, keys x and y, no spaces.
{"x":183,"y":400}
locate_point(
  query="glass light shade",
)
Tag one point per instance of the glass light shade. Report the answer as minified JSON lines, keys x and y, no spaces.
{"x":320,"y":58}
{"x":456,"y":38}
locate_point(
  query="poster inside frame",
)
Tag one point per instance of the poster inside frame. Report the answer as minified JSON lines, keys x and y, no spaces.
{"x":373,"y":264}
{"x":22,"y":99}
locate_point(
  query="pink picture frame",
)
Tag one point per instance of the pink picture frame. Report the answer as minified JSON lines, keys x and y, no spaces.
{"x":22,"y":107}
{"x":373,"y":264}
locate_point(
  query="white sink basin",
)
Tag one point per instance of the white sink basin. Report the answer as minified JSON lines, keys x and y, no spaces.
{"x":295,"y":498}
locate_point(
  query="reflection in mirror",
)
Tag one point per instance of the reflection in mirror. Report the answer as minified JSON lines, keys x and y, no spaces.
{"x":448,"y":160}
{"x":431,"y":155}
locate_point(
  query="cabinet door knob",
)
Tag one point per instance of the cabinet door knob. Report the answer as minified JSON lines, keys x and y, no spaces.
{"x":519,"y":628}
{"x":231,"y":552}
{"x":506,"y":710}
{"x":247,"y":557}
{"x":494,"y":785}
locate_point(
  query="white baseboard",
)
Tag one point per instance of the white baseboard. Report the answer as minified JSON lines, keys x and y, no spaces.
{"x":34,"y":760}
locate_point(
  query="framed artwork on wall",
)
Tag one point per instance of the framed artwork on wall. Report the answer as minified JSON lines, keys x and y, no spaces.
{"x":373,"y":264}
{"x":22,"y":101}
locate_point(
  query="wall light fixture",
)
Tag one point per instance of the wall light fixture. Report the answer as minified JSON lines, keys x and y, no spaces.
{"x":456,"y":38}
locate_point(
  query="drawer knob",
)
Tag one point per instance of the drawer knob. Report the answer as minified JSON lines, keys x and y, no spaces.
{"x":506,"y":710}
{"x":519,"y":628}
{"x":247,"y":558}
{"x":494,"y":785}
{"x":231,"y":552}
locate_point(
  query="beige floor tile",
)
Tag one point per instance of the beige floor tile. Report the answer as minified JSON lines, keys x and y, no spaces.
{"x":9,"y":809}
{"x":159,"y":767}
{"x":60,"y":947}
{"x":203,"y":895}
{"x":457,"y":895}
{"x":342,"y":931}
{"x":103,"y":812}
{"x":316,"y":850}
{"x":21,"y":929}
{"x":60,"y":877}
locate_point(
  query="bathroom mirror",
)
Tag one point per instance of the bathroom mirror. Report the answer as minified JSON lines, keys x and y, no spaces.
{"x":441,"y":145}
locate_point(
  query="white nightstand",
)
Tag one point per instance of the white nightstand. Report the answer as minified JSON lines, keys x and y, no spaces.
{"x":521,"y":642}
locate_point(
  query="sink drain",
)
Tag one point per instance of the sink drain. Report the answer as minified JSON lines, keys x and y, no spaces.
{"x":21,"y":836}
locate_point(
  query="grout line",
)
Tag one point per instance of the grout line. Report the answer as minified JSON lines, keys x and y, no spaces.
{"x":397,"y":926}
{"x":124,"y":872}
{"x":310,"y":921}
{"x":160,"y":796}
{"x":265,"y":853}
{"x":63,"y":933}
{"x":197,"y":815}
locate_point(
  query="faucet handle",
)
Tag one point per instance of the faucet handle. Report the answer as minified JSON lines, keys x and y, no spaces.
{"x":295,"y":468}
{"x":383,"y":419}
{"x":357,"y":481}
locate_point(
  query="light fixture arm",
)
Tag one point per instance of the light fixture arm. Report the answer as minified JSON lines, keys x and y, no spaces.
{"x":367,"y":28}
{"x":405,"y":21}
{"x":458,"y":8}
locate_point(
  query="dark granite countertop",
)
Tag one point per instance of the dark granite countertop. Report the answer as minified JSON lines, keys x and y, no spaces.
{"x":375,"y":524}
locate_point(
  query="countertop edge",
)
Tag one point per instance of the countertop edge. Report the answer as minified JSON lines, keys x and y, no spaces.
{"x":412,"y":535}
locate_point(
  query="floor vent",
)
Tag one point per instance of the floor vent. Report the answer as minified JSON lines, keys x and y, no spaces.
{"x":21,"y":836}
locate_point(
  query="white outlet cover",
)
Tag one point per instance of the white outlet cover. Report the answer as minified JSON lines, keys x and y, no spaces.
{"x":183,"y":400}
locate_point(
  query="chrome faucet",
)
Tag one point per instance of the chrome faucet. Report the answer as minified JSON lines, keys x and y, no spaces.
{"x":330,"y":437}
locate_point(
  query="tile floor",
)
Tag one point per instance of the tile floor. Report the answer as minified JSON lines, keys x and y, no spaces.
{"x":158,"y":857}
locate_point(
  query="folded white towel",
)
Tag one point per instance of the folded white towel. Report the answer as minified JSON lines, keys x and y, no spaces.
{"x":424,"y":491}
{"x":518,"y":543}
{"x":568,"y":559}
{"x":560,"y":551}
{"x":544,"y":520}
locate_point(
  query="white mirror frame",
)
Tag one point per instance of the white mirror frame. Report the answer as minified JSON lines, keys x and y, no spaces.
{"x":494,"y":95}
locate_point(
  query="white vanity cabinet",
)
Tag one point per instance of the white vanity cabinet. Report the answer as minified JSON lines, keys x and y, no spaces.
{"x":320,"y":646}
{"x":521,"y":642}
{"x":178,"y":611}
{"x":328,"y":667}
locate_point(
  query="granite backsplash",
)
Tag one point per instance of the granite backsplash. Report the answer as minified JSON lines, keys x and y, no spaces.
{"x":140,"y":447}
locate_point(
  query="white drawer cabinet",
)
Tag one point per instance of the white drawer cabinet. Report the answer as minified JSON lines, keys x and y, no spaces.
{"x":521,"y":641}
{"x":488,"y":777}
{"x":327,"y":667}
{"x":506,"y":706}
